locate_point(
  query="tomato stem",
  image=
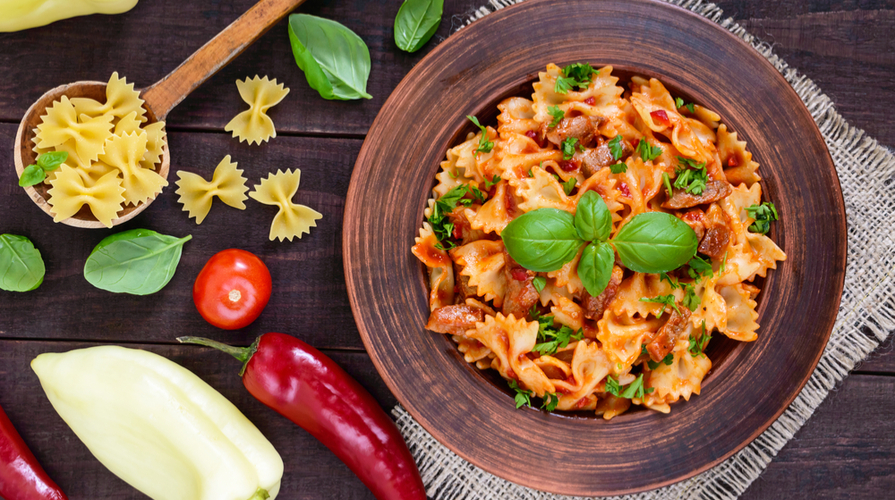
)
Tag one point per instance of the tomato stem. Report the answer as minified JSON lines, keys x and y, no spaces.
{"x":243,"y":354}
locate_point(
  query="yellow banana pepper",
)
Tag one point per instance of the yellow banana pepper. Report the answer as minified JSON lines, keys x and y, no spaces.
{"x":16,"y":15}
{"x":158,"y":426}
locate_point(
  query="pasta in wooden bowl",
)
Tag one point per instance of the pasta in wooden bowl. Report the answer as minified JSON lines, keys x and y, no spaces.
{"x":516,"y":282}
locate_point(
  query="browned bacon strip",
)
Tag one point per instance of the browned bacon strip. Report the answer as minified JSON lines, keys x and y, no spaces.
{"x":667,"y":336}
{"x":455,"y":319}
{"x":521,"y":294}
{"x":583,"y":128}
{"x":714,"y":191}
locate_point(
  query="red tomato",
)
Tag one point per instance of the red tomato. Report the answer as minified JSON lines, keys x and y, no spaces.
{"x":232,"y":289}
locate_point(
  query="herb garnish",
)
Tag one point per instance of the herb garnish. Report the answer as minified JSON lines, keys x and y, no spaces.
{"x":615,"y":147}
{"x":568,"y":146}
{"x":618,"y":168}
{"x":668,"y":359}
{"x":494,"y":180}
{"x":539,"y":282}
{"x":763,"y":214}
{"x":699,"y":268}
{"x":693,"y":179}
{"x":569,"y":185}
{"x":697,"y":345}
{"x":665,"y":300}
{"x":442,"y":227}
{"x":691,"y":300}
{"x":633,"y":390}
{"x":557,"y":115}
{"x":485,"y":146}
{"x":647,"y":151}
{"x":550,"y":401}
{"x":46,"y":162}
{"x":667,"y":182}
{"x":523,"y":397}
{"x":552,"y":339}
{"x":680,"y":104}
{"x":544,"y":239}
{"x":574,"y":75}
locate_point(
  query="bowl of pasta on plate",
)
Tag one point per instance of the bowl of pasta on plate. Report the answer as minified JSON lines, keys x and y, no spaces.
{"x":597,"y":264}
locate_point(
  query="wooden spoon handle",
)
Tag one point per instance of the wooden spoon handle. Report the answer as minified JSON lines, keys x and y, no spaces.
{"x":214,"y":55}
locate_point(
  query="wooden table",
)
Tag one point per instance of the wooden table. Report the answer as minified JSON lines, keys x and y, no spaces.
{"x":847,"y":450}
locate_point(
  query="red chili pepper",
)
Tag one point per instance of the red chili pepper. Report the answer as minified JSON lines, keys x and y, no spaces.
{"x":310,"y":389}
{"x":21,"y":477}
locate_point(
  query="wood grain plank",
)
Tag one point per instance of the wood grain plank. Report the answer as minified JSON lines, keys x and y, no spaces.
{"x":880,"y":361}
{"x":846,"y":450}
{"x":309,"y":297}
{"x":312,"y":471}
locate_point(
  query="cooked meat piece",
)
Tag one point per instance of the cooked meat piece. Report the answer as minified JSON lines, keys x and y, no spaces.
{"x":696,"y":220}
{"x":715,"y":241}
{"x":462,"y":229}
{"x":594,"y":159}
{"x":455,"y":320}
{"x":583,"y":128}
{"x":594,"y":307}
{"x":714,"y":191}
{"x":465,"y":290}
{"x":667,"y":336}
{"x":521,"y":294}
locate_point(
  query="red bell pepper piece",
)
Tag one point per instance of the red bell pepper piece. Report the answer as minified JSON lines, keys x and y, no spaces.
{"x":21,"y":477}
{"x":310,"y":389}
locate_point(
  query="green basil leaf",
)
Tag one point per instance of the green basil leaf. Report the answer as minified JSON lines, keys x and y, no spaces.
{"x":51,"y":160}
{"x":542,"y":240}
{"x":655,"y":242}
{"x":138,"y":261}
{"x":592,"y":218}
{"x":21,"y":266}
{"x":32,"y":175}
{"x":335,"y":60}
{"x":416,"y":22}
{"x":595,"y":267}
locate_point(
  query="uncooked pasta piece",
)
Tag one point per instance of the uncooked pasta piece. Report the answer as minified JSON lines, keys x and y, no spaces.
{"x":196,"y":194}
{"x":121,"y":100}
{"x":253,"y":125}
{"x":61,"y":124}
{"x":125,"y":153}
{"x":292,"y":219}
{"x":70,"y":192}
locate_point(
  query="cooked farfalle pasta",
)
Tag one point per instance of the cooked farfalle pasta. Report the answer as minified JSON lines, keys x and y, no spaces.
{"x":292,"y":220}
{"x":227,"y":183}
{"x":71,"y":191}
{"x":101,"y":138}
{"x":641,"y":341}
{"x":253,"y":125}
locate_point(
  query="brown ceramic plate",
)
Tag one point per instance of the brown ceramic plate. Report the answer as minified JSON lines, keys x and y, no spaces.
{"x":750,"y":384}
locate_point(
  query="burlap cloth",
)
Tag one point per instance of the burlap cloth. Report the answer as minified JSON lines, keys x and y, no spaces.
{"x":866,"y":314}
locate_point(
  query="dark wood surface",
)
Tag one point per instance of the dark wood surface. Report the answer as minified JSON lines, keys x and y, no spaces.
{"x":845,"y":451}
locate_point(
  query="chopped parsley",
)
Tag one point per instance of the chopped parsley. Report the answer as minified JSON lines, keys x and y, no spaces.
{"x":699,"y":268}
{"x":665,"y":300}
{"x":763,"y":214}
{"x":568,"y":146}
{"x":539,"y":282}
{"x":671,"y":281}
{"x":680,"y":104}
{"x":667,"y":182}
{"x":552,"y":339}
{"x":494,"y":180}
{"x":550,"y":401}
{"x":616,"y":148}
{"x":647,"y":151}
{"x":557,"y":115}
{"x":523,"y":397}
{"x":668,"y":359}
{"x":691,"y":176}
{"x":574,"y":75}
{"x":691,"y":300}
{"x":723,"y":263}
{"x":441,"y":223}
{"x":698,"y":344}
{"x":569,"y":185}
{"x":633,"y":390}
{"x":485,"y":146}
{"x":618,"y":168}
{"x":612,"y":386}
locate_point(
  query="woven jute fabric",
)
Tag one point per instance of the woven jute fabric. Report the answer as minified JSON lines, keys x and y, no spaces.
{"x":866,"y":315}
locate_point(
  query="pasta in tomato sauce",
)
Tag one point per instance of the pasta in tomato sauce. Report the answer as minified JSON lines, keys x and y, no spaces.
{"x":640,"y":338}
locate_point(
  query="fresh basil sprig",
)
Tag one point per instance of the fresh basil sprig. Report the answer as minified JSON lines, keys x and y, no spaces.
{"x":543,"y":240}
{"x":138,"y":261}
{"x":336,"y":62}
{"x":416,"y":22}
{"x":21,"y":266}
{"x":46,"y":162}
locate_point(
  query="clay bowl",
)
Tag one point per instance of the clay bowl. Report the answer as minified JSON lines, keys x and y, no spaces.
{"x":25,"y":154}
{"x":160,"y":98}
{"x":469,"y":411}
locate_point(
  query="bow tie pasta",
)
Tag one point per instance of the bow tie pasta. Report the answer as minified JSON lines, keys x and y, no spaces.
{"x":641,"y":341}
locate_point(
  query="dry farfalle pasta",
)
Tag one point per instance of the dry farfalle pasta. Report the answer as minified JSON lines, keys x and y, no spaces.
{"x":102,"y":138}
{"x":196,"y":194}
{"x":292,"y":219}
{"x":253,"y":125}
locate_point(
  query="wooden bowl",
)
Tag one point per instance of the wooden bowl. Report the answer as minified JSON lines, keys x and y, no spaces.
{"x":25,"y":154}
{"x":750,"y":384}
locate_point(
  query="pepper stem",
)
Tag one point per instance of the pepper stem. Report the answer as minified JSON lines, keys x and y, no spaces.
{"x":261,"y":494}
{"x":243,"y":354}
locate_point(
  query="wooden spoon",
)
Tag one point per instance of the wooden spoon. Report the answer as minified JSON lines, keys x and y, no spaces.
{"x":159,"y":98}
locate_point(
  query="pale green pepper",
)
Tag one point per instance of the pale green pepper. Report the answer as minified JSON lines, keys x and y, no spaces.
{"x":158,"y":426}
{"x":16,"y":15}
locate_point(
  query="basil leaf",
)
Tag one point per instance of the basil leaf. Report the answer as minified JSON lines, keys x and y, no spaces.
{"x":542,"y":240}
{"x":21,"y":266}
{"x":32,"y":175}
{"x":592,"y":218}
{"x":335,"y":60}
{"x":416,"y":22}
{"x":51,"y":160}
{"x":655,"y":242}
{"x":595,"y":267}
{"x":138,"y":261}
